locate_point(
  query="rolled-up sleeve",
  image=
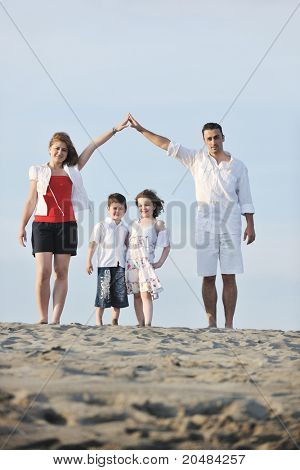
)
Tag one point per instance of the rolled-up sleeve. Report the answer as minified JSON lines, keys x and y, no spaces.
{"x":184,"y":155}
{"x":244,"y":193}
{"x":32,"y":173}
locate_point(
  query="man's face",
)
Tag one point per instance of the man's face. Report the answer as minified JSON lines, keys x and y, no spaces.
{"x":214,"y":141}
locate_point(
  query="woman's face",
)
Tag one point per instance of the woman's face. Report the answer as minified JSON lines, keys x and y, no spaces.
{"x":58,"y":152}
{"x":146,"y":207}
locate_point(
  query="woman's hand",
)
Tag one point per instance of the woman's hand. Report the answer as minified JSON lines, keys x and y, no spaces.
{"x":89,"y":267}
{"x":22,"y":237}
{"x":123,"y":124}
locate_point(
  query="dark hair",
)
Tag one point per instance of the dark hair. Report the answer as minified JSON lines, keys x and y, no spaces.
{"x":210,"y":126}
{"x":72,"y":157}
{"x":116,"y":197}
{"x":157,"y":202}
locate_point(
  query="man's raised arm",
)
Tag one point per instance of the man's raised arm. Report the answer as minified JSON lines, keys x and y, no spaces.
{"x":158,"y":140}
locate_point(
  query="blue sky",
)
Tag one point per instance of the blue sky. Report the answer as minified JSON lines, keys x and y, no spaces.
{"x":175,"y":65}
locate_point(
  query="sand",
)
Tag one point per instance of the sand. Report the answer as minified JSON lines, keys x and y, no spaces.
{"x":119,"y":387}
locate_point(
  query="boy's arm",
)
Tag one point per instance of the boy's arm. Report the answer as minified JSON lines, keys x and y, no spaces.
{"x":91,"y":251}
{"x":158,"y":140}
{"x":126,"y":242}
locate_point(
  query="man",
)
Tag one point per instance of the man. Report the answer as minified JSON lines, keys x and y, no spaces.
{"x":223,"y":194}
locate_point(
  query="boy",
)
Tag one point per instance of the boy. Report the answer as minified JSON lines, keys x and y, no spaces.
{"x":110,"y":236}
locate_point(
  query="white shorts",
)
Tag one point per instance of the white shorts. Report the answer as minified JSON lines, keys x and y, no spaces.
{"x":212,"y":247}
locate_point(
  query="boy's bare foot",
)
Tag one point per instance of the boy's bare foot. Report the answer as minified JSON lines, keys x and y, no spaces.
{"x":114,"y":322}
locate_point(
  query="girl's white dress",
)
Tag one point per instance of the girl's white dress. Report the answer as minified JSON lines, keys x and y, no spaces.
{"x":140,"y":275}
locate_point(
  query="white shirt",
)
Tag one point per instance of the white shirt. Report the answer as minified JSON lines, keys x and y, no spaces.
{"x":222,"y":191}
{"x":110,"y":238}
{"x":42,"y":174}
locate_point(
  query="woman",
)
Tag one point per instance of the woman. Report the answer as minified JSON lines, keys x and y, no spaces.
{"x":56,"y":189}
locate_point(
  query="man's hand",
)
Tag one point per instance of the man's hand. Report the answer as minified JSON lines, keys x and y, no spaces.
{"x":158,"y":140}
{"x":134,"y":123}
{"x":249,"y":234}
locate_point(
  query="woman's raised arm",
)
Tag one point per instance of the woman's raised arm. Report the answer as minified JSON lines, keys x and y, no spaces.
{"x":98,"y":141}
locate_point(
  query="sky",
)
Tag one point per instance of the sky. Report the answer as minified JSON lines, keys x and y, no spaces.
{"x":80,"y":66}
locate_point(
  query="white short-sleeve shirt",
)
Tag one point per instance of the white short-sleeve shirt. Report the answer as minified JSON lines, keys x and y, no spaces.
{"x":222,"y":191}
{"x":110,"y":238}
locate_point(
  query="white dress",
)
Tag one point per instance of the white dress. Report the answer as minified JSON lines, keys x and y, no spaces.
{"x":140,"y":275}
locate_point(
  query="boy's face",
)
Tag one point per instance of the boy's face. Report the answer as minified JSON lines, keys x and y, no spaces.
{"x":116,"y":211}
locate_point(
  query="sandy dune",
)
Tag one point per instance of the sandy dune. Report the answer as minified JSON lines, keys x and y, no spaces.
{"x":82,"y":387}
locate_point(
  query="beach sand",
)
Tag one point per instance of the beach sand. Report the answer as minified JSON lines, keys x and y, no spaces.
{"x":83,"y":387}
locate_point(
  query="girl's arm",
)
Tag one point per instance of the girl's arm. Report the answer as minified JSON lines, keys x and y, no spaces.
{"x":91,"y":250}
{"x":160,"y":225}
{"x":162,"y":259}
{"x":98,"y":141}
{"x":27,"y":212}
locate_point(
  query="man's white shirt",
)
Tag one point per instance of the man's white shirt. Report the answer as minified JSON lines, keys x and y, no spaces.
{"x":110,"y":238}
{"x":222,"y":191}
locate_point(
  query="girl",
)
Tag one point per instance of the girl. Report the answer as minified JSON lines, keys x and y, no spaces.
{"x":56,"y":189}
{"x":144,"y":235}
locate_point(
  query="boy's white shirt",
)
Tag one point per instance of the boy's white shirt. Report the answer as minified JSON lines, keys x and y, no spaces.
{"x":110,"y":238}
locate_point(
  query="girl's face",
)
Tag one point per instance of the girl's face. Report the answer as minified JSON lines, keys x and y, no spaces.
{"x":146,"y":207}
{"x":58,"y":152}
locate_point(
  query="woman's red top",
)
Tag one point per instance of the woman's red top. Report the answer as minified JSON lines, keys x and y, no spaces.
{"x":61,"y":209}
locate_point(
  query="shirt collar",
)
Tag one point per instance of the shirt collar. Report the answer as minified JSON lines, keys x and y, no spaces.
{"x":110,"y":221}
{"x":225,"y":163}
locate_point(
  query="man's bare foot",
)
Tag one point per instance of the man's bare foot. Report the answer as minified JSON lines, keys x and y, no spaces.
{"x":229,"y":326}
{"x":114,"y":322}
{"x":212,"y":322}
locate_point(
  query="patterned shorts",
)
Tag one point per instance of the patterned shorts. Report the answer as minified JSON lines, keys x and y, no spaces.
{"x":111,"y":288}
